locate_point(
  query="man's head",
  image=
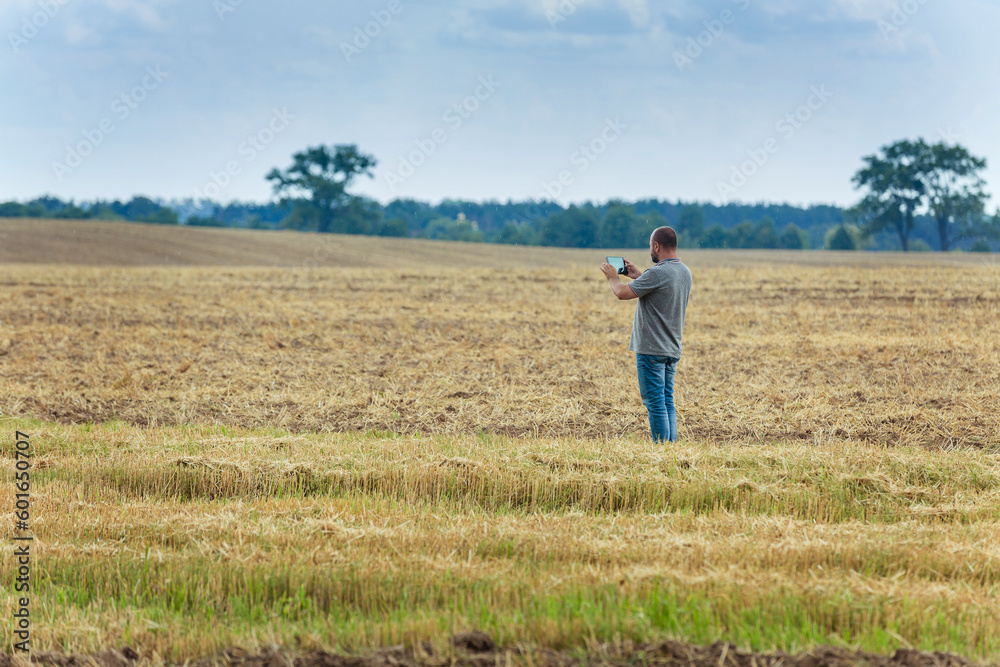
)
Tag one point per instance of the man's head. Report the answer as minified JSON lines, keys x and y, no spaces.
{"x":662,"y":244}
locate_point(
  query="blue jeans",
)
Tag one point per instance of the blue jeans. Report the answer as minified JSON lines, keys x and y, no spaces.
{"x":656,"y":386}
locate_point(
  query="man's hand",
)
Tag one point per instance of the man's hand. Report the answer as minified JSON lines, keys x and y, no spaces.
{"x":631,"y":270}
{"x":623,"y":292}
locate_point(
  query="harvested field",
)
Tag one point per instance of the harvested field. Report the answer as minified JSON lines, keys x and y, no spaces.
{"x":98,"y":243}
{"x":282,"y":464}
{"x":182,"y":542}
{"x":903,"y":355}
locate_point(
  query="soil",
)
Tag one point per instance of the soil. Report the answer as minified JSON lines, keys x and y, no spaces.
{"x":477,"y":649}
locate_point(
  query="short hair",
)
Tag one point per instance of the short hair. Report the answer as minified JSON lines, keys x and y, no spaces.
{"x":666,"y":237}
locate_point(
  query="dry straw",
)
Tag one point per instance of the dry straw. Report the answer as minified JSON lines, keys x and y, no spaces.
{"x":342,"y":459}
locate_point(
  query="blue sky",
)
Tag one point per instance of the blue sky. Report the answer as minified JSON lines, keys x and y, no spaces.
{"x":721,"y":100}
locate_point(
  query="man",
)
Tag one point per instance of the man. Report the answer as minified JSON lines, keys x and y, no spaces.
{"x":663,"y":292}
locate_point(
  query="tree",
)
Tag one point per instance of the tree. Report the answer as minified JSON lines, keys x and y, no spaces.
{"x":141,"y":209}
{"x":45,"y":206}
{"x":644,"y":227}
{"x":12,"y":209}
{"x":162,"y":216}
{"x":714,"y":237}
{"x":576,"y":227}
{"x":35,"y":209}
{"x":793,"y":238}
{"x":895,"y":189}
{"x":360,"y":215}
{"x":765,"y":234}
{"x":316,"y":184}
{"x":983,"y":229}
{"x":516,"y":233}
{"x":395,"y":227}
{"x":102,"y":211}
{"x":691,"y":222}
{"x":953,"y":187}
{"x":417,"y":214}
{"x":71,"y":211}
{"x":740,"y":236}
{"x":447,"y":229}
{"x":618,"y":227}
{"x":588,"y":228}
{"x":989,"y":228}
{"x":840,"y":238}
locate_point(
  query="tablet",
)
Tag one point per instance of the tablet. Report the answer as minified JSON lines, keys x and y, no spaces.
{"x":618,"y":263}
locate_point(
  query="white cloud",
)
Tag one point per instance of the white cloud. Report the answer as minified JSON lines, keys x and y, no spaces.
{"x":608,"y":56}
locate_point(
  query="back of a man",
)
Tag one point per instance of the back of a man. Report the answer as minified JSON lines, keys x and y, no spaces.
{"x":657,"y":329}
{"x":663,"y":292}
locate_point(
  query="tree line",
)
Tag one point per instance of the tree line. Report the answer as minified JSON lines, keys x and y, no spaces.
{"x":137,"y":209}
{"x":905,"y":185}
{"x":612,"y":224}
{"x":915,"y":196}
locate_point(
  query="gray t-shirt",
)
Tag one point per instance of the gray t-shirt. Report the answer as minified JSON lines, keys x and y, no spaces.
{"x":663,"y":292}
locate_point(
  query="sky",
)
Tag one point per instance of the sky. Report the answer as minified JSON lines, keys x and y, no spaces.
{"x":572,"y":100}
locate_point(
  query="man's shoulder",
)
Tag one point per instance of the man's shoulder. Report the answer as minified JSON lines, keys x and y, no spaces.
{"x":665,"y":275}
{"x":681,"y":275}
{"x":688,"y":278}
{"x":675,"y":267}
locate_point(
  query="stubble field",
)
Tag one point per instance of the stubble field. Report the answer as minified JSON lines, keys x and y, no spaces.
{"x":351,"y":458}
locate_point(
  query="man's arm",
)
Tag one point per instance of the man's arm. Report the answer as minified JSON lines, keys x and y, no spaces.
{"x":622,"y":291}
